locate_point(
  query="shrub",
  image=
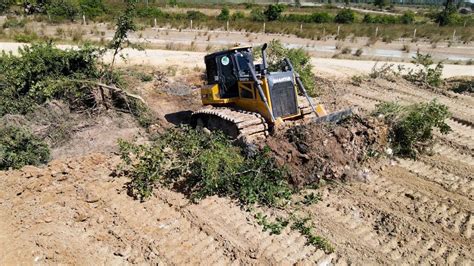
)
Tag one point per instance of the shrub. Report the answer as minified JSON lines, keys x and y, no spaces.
{"x":322,"y":17}
{"x":202,"y":165}
{"x":40,"y":72}
{"x":345,"y":16}
{"x":299,"y":58}
{"x":359,"y":52}
{"x":224,"y":15}
{"x":238,"y":15}
{"x":407,"y":18}
{"x":18,"y":147}
{"x":92,"y":8}
{"x":195,"y":15}
{"x":152,"y":12}
{"x":424,"y":73}
{"x":411,"y":127}
{"x":257,"y":15}
{"x":346,"y":50}
{"x":273,"y":12}
{"x":5,"y":5}
{"x":63,"y":9}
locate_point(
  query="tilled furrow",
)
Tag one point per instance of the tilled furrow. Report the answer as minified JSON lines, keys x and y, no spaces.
{"x":451,"y":182}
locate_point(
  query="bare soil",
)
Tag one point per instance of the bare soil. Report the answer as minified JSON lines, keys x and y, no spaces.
{"x":75,"y":210}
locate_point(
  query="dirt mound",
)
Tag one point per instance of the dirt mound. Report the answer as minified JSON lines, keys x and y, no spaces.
{"x":329,"y":151}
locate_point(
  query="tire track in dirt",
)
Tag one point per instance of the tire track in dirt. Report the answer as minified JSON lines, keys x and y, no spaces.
{"x":463,"y":185}
{"x":385,"y":215}
{"x":238,"y":230}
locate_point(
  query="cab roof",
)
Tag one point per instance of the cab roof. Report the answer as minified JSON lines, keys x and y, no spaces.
{"x":228,"y":51}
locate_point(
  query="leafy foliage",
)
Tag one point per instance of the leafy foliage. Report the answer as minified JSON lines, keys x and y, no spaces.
{"x":312,"y":239}
{"x":275,"y":228}
{"x":63,"y":9}
{"x":92,"y":8}
{"x":257,"y":14}
{"x":41,"y":72}
{"x":5,"y":5}
{"x":273,"y":12}
{"x":299,"y":58}
{"x":411,"y":127}
{"x":345,"y":16}
{"x":424,"y":72}
{"x":125,"y":25}
{"x":18,"y":147}
{"x":224,"y":15}
{"x":202,"y":165}
{"x":448,"y":15}
{"x":13,"y":22}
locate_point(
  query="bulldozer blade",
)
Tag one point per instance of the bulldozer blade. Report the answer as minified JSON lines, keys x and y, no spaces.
{"x":334,"y":117}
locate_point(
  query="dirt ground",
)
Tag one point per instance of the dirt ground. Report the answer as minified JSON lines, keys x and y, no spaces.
{"x":75,"y":209}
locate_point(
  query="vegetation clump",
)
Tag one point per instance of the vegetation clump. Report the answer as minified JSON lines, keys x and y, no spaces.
{"x":202,"y":165}
{"x":19,"y":147}
{"x":299,"y":58}
{"x":425,"y":73}
{"x":411,"y":126}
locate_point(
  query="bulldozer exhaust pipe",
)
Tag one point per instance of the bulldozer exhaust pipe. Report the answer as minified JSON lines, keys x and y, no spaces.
{"x":300,"y":85}
{"x":264,"y":57}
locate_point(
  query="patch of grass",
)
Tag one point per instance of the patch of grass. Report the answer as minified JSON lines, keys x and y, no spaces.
{"x":19,"y":147}
{"x":411,"y":126}
{"x":202,"y":165}
{"x":13,"y":22}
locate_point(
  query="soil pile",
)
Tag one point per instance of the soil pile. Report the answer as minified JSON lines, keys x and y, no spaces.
{"x":329,"y":151}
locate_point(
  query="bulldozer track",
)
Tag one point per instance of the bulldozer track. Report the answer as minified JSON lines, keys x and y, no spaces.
{"x":247,"y":125}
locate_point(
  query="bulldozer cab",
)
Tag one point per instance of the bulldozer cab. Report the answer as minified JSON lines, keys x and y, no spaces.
{"x":227,"y":68}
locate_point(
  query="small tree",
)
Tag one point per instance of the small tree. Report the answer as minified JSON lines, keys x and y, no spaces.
{"x":345,"y":16}
{"x":273,"y":12}
{"x":448,"y":15}
{"x":125,"y":25}
{"x":224,"y":15}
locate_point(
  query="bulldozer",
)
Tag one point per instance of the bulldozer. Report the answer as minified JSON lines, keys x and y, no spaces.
{"x":248,"y":102}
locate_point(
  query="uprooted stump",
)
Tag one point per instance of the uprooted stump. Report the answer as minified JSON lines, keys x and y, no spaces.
{"x":313,"y":152}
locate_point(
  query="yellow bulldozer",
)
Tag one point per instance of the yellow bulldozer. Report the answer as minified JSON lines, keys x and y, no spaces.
{"x":246,"y":101}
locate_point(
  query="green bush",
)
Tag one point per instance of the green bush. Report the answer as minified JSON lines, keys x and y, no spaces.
{"x":202,"y":165}
{"x":151,"y":12}
{"x":407,"y":18}
{"x":300,"y":59}
{"x":273,"y":12}
{"x":18,"y":147}
{"x":63,"y":9}
{"x":224,"y":15}
{"x":5,"y":5}
{"x":195,"y":15}
{"x":92,"y":8}
{"x":424,"y":73}
{"x":411,"y":127}
{"x":322,"y":17}
{"x":238,"y":15}
{"x":257,"y":15}
{"x":41,"y":72}
{"x":345,"y":16}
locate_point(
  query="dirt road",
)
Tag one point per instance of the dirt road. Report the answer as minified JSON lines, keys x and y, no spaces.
{"x":323,"y":66}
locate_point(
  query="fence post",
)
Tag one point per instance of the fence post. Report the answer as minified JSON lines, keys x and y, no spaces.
{"x":454,"y":35}
{"x":376,"y":31}
{"x":414,"y":34}
{"x":83,"y":19}
{"x":301,"y":27}
{"x":191,"y":23}
{"x":338,"y":29}
{"x":154,"y":23}
{"x":324,"y":33}
{"x":263,"y":27}
{"x":227,"y":25}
